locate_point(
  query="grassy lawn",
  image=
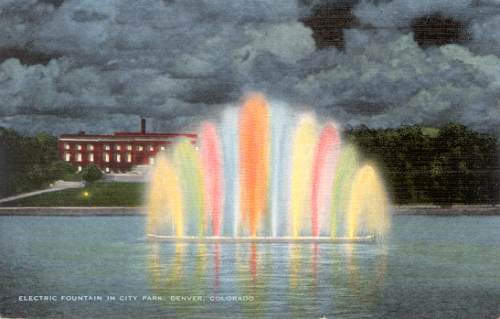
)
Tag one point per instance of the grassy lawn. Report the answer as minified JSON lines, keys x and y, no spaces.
{"x":96,"y":194}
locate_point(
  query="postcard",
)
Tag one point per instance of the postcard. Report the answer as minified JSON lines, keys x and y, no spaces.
{"x":249,"y":159}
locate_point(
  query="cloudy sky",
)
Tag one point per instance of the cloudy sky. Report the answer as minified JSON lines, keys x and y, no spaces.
{"x":96,"y":65}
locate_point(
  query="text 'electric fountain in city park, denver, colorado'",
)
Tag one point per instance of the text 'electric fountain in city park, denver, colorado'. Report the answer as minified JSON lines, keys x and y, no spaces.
{"x":265,"y":175}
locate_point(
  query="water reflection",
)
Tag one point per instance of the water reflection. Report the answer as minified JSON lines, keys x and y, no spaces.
{"x":162,"y":276}
{"x":326,"y":279}
{"x":366,"y":272}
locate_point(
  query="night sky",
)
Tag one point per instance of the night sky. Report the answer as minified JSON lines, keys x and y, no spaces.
{"x":96,"y":65}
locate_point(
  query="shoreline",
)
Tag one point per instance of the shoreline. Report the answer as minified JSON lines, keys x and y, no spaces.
{"x":73,"y":211}
{"x":421,"y":210}
{"x":455,"y":210}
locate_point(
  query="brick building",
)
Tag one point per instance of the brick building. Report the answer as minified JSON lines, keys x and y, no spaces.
{"x":117,"y":152}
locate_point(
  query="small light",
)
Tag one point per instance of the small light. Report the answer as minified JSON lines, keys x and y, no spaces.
{"x":85,"y":194}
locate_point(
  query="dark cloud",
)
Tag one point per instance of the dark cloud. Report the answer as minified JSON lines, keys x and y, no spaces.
{"x":87,"y":16}
{"x":437,"y":29}
{"x":56,"y":3}
{"x":216,"y":91}
{"x":365,"y":108}
{"x":328,"y":20}
{"x":97,"y":65}
{"x":66,"y":111}
{"x":27,"y":56}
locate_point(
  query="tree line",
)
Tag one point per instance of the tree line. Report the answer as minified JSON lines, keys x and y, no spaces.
{"x":30,"y":163}
{"x":449,"y":165}
{"x":445,"y":166}
{"x":26,"y":163}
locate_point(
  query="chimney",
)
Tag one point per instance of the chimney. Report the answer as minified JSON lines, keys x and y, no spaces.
{"x":143,"y":125}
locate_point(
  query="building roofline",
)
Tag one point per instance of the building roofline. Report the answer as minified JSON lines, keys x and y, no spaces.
{"x":122,"y":135}
{"x":135,"y":134}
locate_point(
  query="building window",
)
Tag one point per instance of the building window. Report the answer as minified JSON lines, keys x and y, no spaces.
{"x":106,"y":157}
{"x":118,"y":158}
{"x":151,"y":148}
{"x":90,"y":147}
{"x":106,"y":169}
{"x":66,"y":146}
{"x":129,"y":158}
{"x":151,"y":160}
{"x":118,"y":147}
{"x":162,"y":148}
{"x":78,"y":157}
{"x":67,"y":157}
{"x":107,"y":147}
{"x":78,"y":147}
{"x":91,"y":157}
{"x":129,"y":147}
{"x":79,"y":168}
{"x":140,"y":147}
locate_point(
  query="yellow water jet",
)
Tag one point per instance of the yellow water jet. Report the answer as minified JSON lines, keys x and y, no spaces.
{"x":165,"y":198}
{"x":304,"y":143}
{"x":368,"y":203}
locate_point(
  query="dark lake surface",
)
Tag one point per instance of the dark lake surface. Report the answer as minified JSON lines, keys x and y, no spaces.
{"x":429,"y":267}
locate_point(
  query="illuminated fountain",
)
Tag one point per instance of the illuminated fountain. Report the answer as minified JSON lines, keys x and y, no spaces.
{"x":266,"y":175}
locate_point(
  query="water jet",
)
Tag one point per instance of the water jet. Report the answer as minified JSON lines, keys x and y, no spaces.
{"x":266,"y":175}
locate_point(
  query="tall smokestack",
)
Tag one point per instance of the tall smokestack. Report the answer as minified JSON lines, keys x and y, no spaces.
{"x":143,"y":125}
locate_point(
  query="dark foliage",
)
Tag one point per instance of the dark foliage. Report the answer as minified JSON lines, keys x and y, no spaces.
{"x":28,"y":163}
{"x":91,"y":174}
{"x":447,"y":166}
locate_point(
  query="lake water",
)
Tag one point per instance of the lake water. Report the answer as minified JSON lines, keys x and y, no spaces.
{"x":430,"y":267}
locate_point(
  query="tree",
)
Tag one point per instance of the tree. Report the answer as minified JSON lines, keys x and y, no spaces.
{"x":91,"y":174}
{"x":60,"y":170}
{"x":444,"y":166}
